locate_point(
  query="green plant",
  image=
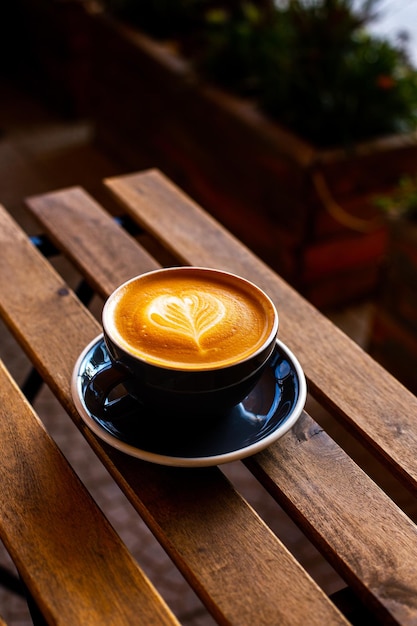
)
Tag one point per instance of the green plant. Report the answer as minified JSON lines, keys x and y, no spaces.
{"x":309,"y":64}
{"x":227,"y":47}
{"x":402,"y":201}
{"x":328,"y":79}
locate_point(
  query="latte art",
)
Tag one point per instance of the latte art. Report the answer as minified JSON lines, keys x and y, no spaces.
{"x":190,"y":318}
{"x":191,"y":315}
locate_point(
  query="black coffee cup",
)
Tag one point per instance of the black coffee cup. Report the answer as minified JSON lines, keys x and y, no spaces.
{"x":187,"y":340}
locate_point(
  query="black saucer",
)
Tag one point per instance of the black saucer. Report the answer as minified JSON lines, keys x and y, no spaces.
{"x":268,"y":412}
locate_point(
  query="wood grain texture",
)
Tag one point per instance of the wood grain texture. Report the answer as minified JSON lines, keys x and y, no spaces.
{"x":318,"y":483}
{"x":74,"y":564}
{"x":340,"y":375}
{"x":369,"y":539}
{"x":196,"y":537}
{"x":42,"y":313}
{"x":64,"y":211}
{"x":202,"y":518}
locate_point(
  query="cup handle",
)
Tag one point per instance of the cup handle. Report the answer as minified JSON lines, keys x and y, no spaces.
{"x":99,"y":388}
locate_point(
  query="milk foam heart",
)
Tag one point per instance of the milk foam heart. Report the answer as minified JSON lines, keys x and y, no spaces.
{"x":191,"y":314}
{"x":190,"y":318}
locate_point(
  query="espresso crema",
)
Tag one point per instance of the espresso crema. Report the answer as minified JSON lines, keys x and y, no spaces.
{"x":190,"y":318}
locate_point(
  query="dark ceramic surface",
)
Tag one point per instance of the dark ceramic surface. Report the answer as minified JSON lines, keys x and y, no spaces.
{"x":265,"y":415}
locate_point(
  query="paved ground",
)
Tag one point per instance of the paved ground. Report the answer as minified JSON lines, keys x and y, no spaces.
{"x":40,"y":152}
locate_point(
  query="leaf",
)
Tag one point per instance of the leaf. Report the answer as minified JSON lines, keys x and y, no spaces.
{"x":191,"y":315}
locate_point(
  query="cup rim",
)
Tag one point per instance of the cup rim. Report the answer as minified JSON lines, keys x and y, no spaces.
{"x":271,"y":338}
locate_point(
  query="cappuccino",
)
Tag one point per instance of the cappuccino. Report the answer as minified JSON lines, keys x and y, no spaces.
{"x":190,"y":318}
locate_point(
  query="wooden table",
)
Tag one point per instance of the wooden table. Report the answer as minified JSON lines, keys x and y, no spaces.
{"x":72,"y":561}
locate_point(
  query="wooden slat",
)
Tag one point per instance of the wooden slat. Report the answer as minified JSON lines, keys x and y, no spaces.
{"x":271,"y":585}
{"x":370,"y":540}
{"x":72,"y":561}
{"x":100,"y":239}
{"x":385,"y":421}
{"x":307,"y":472}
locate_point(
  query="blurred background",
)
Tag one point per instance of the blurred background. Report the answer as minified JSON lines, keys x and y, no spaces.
{"x":293,"y":123}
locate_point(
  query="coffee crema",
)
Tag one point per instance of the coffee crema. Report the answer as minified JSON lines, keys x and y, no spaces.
{"x":190,"y":318}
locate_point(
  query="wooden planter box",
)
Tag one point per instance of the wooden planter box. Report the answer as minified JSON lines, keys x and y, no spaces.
{"x":393,"y":340}
{"x":255,"y":177}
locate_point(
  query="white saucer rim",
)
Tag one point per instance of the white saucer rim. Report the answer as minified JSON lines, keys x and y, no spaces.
{"x":206,"y":461}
